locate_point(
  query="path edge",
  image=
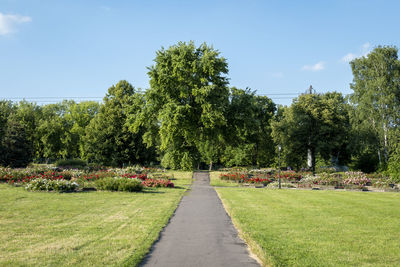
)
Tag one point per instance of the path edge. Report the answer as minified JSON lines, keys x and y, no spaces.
{"x":253,"y":248}
{"x":151,"y":249}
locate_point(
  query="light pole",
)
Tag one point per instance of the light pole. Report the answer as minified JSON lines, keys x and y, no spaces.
{"x":279,"y":149}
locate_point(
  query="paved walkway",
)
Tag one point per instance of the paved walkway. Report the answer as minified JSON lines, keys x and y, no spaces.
{"x":200,"y":233}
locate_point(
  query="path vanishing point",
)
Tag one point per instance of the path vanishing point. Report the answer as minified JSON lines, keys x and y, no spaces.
{"x":200,"y":233}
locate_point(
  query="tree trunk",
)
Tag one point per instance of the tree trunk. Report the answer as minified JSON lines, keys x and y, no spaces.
{"x":385,"y":142}
{"x":313,"y":161}
{"x":309,"y":159}
{"x":210,"y":167}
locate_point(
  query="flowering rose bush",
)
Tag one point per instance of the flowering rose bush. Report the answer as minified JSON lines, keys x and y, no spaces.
{"x":260,"y":177}
{"x":43,"y":184}
{"x":44,"y":177}
{"x":357,"y":179}
{"x":157,"y":183}
{"x":275,"y":185}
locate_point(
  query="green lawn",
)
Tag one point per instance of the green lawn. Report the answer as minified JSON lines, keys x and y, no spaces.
{"x":317,"y":228}
{"x":83,"y":229}
{"x":216,"y":181}
{"x":181,"y":178}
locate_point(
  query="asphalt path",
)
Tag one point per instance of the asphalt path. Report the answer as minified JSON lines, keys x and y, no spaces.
{"x":200,"y":233}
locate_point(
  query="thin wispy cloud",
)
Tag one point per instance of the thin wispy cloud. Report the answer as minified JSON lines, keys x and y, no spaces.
{"x":349,"y":57}
{"x":10,"y":22}
{"x":364,"y":51}
{"x":316,"y":67}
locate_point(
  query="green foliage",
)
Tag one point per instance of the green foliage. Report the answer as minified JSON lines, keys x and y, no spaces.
{"x":108,"y":140}
{"x":376,"y":99}
{"x":394,"y":164}
{"x":318,"y":123}
{"x":71,"y":163}
{"x":16,"y":148}
{"x":248,"y":131}
{"x":60,"y":185}
{"x":185,"y":104}
{"x":275,"y":185}
{"x":119,"y":184}
{"x":190,"y":118}
{"x":52,"y":130}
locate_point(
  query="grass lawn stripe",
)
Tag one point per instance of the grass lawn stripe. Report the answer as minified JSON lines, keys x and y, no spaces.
{"x":318,"y":228}
{"x":85,"y":229}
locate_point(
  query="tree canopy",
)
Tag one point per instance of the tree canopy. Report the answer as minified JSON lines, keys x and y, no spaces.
{"x":191,"y":117}
{"x":187,"y":99}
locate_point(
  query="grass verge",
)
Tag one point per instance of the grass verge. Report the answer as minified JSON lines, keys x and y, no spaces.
{"x":83,"y":229}
{"x":216,"y":181}
{"x":317,"y":228}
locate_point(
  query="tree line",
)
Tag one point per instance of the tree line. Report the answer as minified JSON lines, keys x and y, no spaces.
{"x":190,"y":118}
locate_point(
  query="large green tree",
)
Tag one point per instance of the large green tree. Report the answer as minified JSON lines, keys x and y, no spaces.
{"x":79,"y":115}
{"x":376,"y":97}
{"x":185,"y":105}
{"x":53,"y":131}
{"x":248,"y":132}
{"x":108,"y":140}
{"x":6,"y":109}
{"x":315,"y":124}
{"x":17,"y":148}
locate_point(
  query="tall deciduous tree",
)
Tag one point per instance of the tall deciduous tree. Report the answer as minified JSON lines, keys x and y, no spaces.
{"x":316,"y":123}
{"x":376,"y":86}
{"x":79,"y":116}
{"x":248,"y":134}
{"x":53,"y":131}
{"x":186,"y":104}
{"x":16,"y":146}
{"x":108,"y":140}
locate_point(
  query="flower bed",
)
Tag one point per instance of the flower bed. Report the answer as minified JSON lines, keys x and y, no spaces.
{"x":43,"y":184}
{"x":261,"y":177}
{"x":338,"y":180}
{"x":35,"y":180}
{"x":356,"y":179}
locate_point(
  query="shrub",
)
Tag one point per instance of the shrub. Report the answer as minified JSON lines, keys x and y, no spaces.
{"x":275,"y":185}
{"x":383,"y":183}
{"x":61,"y":185}
{"x":119,"y":184}
{"x":357,"y":179}
{"x":394,"y":165}
{"x":309,"y":181}
{"x":157,"y":183}
{"x":71,"y":163}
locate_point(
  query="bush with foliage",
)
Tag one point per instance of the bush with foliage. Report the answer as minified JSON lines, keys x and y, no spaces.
{"x":157,"y":183}
{"x":275,"y":185}
{"x":71,"y":163}
{"x":394,"y":165}
{"x":61,"y":185}
{"x":357,"y":179}
{"x":384,"y":183}
{"x":119,"y":184}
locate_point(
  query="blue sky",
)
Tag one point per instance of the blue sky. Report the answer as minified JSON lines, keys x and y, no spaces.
{"x":72,"y":48}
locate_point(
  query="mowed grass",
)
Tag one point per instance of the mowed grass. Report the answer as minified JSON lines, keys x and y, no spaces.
{"x":83,"y":229}
{"x":181,"y":178}
{"x":216,"y":181}
{"x":317,"y":228}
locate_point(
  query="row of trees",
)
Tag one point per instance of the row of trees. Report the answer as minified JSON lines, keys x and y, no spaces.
{"x":190,"y":117}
